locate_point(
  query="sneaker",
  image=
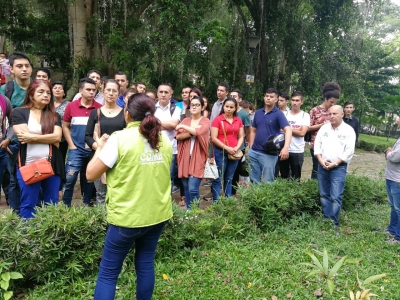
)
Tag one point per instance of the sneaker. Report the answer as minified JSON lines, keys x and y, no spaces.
{"x":175,"y":189}
{"x":387,"y":232}
{"x":208,"y":197}
{"x":207,"y":183}
{"x":337,"y":233}
{"x":393,"y":241}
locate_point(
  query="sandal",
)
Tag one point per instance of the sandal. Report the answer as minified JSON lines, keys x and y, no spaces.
{"x":182,"y":202}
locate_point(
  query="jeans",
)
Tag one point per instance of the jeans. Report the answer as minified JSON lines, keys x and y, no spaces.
{"x":262,"y":165}
{"x":30,"y":194}
{"x":77,"y":162}
{"x":331,"y":186}
{"x":315,"y":164}
{"x":291,"y":167}
{"x":14,"y":196}
{"x":119,"y":241}
{"x":393,"y":192}
{"x":191,"y":186}
{"x":226,"y":169}
{"x":3,"y":169}
{"x":173,"y":171}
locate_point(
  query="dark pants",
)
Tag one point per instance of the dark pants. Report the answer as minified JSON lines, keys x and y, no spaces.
{"x":14,"y":195}
{"x":235,"y":180}
{"x":315,"y":163}
{"x":291,"y":167}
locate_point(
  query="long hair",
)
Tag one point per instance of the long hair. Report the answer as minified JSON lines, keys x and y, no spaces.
{"x":49,"y":116}
{"x":234,"y":102}
{"x":142,"y":108}
{"x":198,"y":92}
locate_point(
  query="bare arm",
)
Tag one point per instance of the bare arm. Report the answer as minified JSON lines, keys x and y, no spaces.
{"x":300,"y":132}
{"x":247,"y":131}
{"x":252,"y":136}
{"x":67,"y":135}
{"x":25,"y":137}
{"x":169,"y":125}
{"x":96,"y":167}
{"x":284,"y":154}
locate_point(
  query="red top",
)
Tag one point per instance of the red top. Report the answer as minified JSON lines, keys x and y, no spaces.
{"x":231,"y":130}
{"x":193,"y":165}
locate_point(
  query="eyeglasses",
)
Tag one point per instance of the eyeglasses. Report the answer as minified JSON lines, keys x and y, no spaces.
{"x":195,"y":105}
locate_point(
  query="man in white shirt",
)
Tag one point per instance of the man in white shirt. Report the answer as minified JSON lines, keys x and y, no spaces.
{"x":299,"y":121}
{"x":169,"y":115}
{"x":334,"y":148}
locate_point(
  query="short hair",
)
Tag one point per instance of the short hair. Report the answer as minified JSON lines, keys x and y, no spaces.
{"x":244,"y":104}
{"x":140,"y":82}
{"x":86,"y":80}
{"x":130,"y":91}
{"x":47,"y":71}
{"x":225,"y":85}
{"x":240,"y":94}
{"x":348,"y":103}
{"x":166,"y":84}
{"x":251,"y":106}
{"x":331,"y":90}
{"x":297,"y":93}
{"x":62,"y":84}
{"x":120,"y":73}
{"x":92,"y":71}
{"x":104,"y":78}
{"x":4,"y":53}
{"x":187,"y":87}
{"x":18,"y":55}
{"x":284,"y":95}
{"x":271,"y":90}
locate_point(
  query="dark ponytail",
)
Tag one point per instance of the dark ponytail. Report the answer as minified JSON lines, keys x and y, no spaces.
{"x":142,"y":108}
{"x":331,"y":90}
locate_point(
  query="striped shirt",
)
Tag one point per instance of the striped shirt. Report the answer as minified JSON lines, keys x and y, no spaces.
{"x":78,"y":115}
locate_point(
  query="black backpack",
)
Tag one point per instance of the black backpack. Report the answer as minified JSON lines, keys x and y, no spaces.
{"x":9,"y":89}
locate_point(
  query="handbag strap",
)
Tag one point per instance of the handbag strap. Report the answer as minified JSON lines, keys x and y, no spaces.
{"x":49,"y":158}
{"x":223,"y":129}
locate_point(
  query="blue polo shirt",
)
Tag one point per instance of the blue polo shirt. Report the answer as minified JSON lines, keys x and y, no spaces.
{"x":78,"y":115}
{"x":267,"y":124}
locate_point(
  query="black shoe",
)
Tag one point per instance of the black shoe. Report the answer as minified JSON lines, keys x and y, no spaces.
{"x":88,"y":204}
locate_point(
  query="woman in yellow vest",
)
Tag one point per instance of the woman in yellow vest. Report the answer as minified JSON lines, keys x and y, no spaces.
{"x":138,"y":202}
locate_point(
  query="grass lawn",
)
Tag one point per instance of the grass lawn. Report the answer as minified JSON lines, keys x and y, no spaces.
{"x":265,"y":265}
{"x":377,"y":139}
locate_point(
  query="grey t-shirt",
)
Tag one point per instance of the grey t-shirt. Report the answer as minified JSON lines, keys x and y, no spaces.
{"x":393,"y":163}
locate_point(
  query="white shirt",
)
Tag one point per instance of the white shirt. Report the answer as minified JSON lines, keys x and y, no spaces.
{"x":296,"y":121}
{"x":164,"y":114}
{"x":99,"y":98}
{"x":335,"y":143}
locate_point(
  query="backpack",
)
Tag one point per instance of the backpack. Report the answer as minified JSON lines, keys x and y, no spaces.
{"x":172,"y":108}
{"x":9,"y":89}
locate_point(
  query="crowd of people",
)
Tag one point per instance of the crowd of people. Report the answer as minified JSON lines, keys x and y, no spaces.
{"x":132,"y":148}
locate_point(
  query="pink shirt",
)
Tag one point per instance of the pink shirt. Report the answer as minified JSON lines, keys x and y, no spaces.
{"x":231,"y":130}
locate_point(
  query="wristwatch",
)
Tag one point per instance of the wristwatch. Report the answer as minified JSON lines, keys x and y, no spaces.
{"x":336,"y":165}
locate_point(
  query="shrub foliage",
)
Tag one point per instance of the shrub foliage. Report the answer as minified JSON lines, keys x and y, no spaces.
{"x":68,"y":242}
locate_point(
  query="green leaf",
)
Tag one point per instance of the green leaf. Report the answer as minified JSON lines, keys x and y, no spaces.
{"x":331,"y":285}
{"x":313,"y":273}
{"x":4,"y":285}
{"x":373,"y":278}
{"x":325,"y":261}
{"x":336,"y":267}
{"x":16,"y":275}
{"x":8,"y":295}
{"x":316,"y":261}
{"x":6,"y":276}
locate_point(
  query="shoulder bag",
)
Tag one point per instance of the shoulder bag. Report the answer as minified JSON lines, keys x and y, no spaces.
{"x":238,"y":154}
{"x":211,"y":170}
{"x":36,"y":171}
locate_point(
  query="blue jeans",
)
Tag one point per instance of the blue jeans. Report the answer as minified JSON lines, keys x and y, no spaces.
{"x":393,"y":192}
{"x":3,"y":168}
{"x":30,"y":194}
{"x":77,"y":162}
{"x":262,"y":165}
{"x":191,"y":186}
{"x":226,"y":169}
{"x":14,"y":196}
{"x":331,"y":186}
{"x":119,"y":241}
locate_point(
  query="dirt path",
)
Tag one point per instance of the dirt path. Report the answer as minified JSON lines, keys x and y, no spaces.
{"x":364,"y":163}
